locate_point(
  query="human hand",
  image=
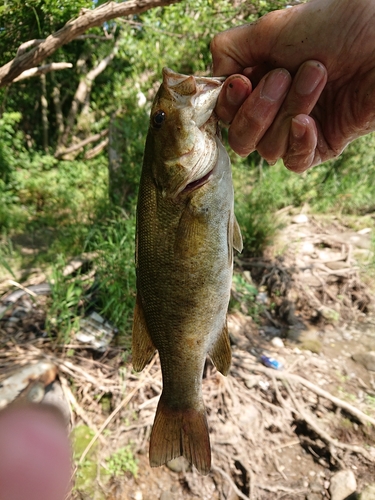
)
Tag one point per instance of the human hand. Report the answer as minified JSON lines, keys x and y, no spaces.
{"x":321,"y":100}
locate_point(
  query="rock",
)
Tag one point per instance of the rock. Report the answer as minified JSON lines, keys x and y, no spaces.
{"x":315,"y":487}
{"x":300,"y":219}
{"x":179,"y":464}
{"x":167,"y":495}
{"x":343,"y":484}
{"x":329,"y":314}
{"x":368,"y":493}
{"x":307,"y":248}
{"x":277,"y":342}
{"x":366,"y":359}
{"x":314,"y":496}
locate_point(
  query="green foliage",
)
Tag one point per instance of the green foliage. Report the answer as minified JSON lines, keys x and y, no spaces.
{"x":244,"y":295}
{"x":64,"y":205}
{"x":122,"y":461}
{"x":114,"y":242}
{"x":345,"y":185}
{"x":64,"y":308}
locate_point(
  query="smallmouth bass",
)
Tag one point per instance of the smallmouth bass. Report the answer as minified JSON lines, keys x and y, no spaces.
{"x":186,"y":232}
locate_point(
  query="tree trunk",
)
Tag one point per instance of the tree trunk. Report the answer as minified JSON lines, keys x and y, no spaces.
{"x":118,"y":188}
{"x":44,"y":107}
{"x":82,"y":92}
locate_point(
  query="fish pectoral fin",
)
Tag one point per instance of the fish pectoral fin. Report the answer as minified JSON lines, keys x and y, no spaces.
{"x":237,"y":236}
{"x":221,"y":353}
{"x":142,"y":346}
{"x":179,"y":432}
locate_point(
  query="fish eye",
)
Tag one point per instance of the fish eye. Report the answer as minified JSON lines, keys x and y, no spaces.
{"x":158,"y":118}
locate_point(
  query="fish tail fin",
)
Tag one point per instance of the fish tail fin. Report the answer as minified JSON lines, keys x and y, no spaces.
{"x":180,"y":432}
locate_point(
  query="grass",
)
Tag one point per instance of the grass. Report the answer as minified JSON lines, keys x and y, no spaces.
{"x":51,"y":211}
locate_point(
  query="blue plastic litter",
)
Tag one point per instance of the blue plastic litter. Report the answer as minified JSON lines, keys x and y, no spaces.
{"x":271,"y":362}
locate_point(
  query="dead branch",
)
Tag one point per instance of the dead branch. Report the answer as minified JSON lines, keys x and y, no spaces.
{"x":97,"y":149}
{"x":72,"y":29}
{"x":332,"y":442}
{"x":82,"y":92}
{"x":123,"y":403}
{"x":292,"y":378}
{"x":42,"y":70}
{"x":95,"y":37}
{"x":80,"y":145}
{"x":230,"y":481}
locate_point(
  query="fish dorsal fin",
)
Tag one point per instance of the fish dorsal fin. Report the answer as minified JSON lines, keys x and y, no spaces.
{"x":237,"y":236}
{"x":221,"y":353}
{"x":142,"y":346}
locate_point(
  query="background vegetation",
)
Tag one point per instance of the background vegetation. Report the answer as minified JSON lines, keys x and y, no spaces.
{"x":54,"y":188}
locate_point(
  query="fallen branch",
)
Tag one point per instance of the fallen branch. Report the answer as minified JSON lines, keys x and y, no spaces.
{"x":82,"y":144}
{"x":324,"y":434}
{"x":123,"y":403}
{"x":42,"y":70}
{"x":292,"y":378}
{"x":72,"y":29}
{"x":97,"y":149}
{"x":232,"y":484}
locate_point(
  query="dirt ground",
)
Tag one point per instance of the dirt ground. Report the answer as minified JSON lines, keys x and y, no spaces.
{"x":275,"y":433}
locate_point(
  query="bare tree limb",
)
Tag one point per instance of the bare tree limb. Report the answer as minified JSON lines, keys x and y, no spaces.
{"x":95,"y":37}
{"x":97,"y":149}
{"x":82,"y":144}
{"x":42,"y":70}
{"x":82,"y":92}
{"x":28,"y":45}
{"x":87,"y":19}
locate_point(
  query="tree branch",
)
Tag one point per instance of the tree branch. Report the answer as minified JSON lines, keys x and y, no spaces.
{"x":83,"y":90}
{"x":81,"y":144}
{"x":42,"y":70}
{"x":87,"y":19}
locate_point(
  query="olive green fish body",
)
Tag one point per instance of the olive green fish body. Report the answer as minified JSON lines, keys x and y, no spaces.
{"x":184,"y":258}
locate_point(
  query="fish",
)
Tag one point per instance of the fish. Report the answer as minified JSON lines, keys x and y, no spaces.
{"x":186,"y":231}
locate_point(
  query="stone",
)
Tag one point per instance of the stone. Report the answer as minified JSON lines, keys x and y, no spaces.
{"x":368,"y":493}
{"x":366,"y":359}
{"x":179,"y":464}
{"x":314,"y":496}
{"x":167,"y":495}
{"x":343,"y":484}
{"x":300,"y":219}
{"x":277,"y":342}
{"x":315,"y":487}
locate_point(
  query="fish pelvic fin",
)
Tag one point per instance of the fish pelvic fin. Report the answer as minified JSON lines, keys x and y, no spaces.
{"x":142,"y":346}
{"x":237,"y":236}
{"x":179,"y":432}
{"x":221,"y":353}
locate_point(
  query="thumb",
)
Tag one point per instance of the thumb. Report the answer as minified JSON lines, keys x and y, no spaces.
{"x":248,"y":45}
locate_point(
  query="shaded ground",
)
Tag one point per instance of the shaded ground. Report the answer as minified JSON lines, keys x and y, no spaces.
{"x":274,"y":433}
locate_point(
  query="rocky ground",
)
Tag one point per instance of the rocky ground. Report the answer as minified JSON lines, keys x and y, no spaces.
{"x":302,"y":431}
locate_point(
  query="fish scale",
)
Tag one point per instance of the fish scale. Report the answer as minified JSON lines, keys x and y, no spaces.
{"x":186,"y":231}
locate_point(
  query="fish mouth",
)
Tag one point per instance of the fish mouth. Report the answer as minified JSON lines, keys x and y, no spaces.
{"x":192,"y":186}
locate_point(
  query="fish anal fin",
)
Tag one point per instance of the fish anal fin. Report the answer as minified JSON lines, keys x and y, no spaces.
{"x":221,"y":353}
{"x":142,"y":346}
{"x":237,"y":236}
{"x":179,"y":432}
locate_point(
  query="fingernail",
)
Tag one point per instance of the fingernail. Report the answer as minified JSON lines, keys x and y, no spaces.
{"x":237,"y":90}
{"x":276,"y":85}
{"x":298,"y":128}
{"x":309,"y":77}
